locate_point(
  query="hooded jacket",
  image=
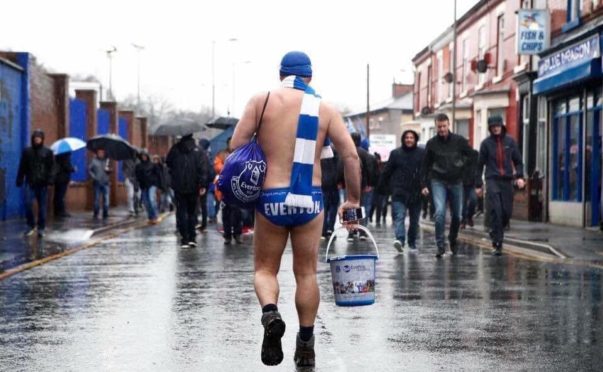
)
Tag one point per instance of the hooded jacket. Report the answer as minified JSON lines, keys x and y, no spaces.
{"x":500,"y":156}
{"x":64,"y":168}
{"x":147,"y":173}
{"x":37,"y":164}
{"x":402,"y":173}
{"x":188,"y":166}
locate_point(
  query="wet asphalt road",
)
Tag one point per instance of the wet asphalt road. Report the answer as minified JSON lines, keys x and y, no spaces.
{"x":140,"y":303}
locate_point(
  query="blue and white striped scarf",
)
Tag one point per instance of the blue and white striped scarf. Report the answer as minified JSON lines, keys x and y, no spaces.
{"x":300,"y":194}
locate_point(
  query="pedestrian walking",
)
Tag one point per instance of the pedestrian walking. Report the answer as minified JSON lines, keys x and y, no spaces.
{"x":368,"y":166}
{"x":500,"y":157}
{"x":289,"y":139}
{"x":148,"y":175}
{"x":131,"y":184}
{"x":36,"y":174}
{"x":188,"y":180}
{"x":443,"y":167}
{"x":380,"y":196}
{"x":232,"y":216}
{"x":402,"y":175}
{"x":330,"y":194}
{"x":62,"y":178}
{"x":470,"y":177}
{"x":99,"y":171}
{"x":203,"y":207}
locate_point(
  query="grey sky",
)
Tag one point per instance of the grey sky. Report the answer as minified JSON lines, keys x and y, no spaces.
{"x":341,"y":37}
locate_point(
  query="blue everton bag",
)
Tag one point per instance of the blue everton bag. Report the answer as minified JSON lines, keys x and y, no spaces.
{"x":244,"y":171}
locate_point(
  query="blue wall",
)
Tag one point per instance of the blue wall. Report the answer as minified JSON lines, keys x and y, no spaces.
{"x":77,"y":128}
{"x":103,"y":118}
{"x":11,"y":140}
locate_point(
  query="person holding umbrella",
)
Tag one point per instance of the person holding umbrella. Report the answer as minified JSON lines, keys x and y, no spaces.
{"x":35,"y":172}
{"x":99,"y":171}
{"x":62,"y":150}
{"x":64,"y":168}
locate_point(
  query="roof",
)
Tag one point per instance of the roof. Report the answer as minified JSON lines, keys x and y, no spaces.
{"x":403,"y":102}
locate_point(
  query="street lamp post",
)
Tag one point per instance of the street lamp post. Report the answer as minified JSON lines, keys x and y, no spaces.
{"x":110,"y":57}
{"x":139,"y":48}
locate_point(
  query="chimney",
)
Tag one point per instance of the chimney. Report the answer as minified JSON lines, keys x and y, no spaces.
{"x":398,"y":90}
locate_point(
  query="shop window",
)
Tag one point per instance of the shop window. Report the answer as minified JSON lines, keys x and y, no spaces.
{"x":541,"y":136}
{"x":568,"y":150}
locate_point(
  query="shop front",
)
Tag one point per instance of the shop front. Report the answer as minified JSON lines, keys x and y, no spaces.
{"x":570,"y":78}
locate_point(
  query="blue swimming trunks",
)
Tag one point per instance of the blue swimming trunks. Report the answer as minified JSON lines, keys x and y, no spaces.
{"x":271,"y":205}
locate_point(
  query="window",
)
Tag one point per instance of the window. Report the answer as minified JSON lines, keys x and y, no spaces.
{"x":568,"y":150}
{"x":462,"y":128}
{"x":481,"y":51}
{"x":451,"y":70}
{"x":500,"y":57}
{"x":429,"y":76}
{"x":440,"y":92}
{"x":466,"y":66}
{"x":541,"y":136}
{"x":418,"y":106}
{"x":574,"y":8}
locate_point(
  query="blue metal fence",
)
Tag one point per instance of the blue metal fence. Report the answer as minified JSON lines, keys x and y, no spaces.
{"x":103,"y":118}
{"x":77,"y":128}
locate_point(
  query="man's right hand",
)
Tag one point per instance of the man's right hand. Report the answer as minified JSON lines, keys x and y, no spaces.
{"x":425,"y":191}
{"x":351,"y":226}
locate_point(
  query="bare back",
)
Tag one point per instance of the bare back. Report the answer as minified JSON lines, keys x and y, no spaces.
{"x":279,"y":129}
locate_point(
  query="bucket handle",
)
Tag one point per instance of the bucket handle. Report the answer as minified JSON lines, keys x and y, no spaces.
{"x":359,"y":227}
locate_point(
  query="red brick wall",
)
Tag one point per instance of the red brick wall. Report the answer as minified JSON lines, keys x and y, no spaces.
{"x":44,"y":104}
{"x":159,"y":145}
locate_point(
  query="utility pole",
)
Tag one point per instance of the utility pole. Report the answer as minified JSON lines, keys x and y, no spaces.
{"x":110,"y":57}
{"x":368,"y":105}
{"x":454,"y":70}
{"x":139,"y":48}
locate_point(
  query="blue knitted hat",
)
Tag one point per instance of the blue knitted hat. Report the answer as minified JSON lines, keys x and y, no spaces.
{"x":296,"y":63}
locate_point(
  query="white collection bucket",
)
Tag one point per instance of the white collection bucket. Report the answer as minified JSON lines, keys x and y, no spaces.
{"x":353,"y":276}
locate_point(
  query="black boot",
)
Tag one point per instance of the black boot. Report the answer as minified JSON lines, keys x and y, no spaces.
{"x":497,"y":249}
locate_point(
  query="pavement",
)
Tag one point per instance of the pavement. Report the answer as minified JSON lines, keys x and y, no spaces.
{"x":62,"y":237}
{"x":543,"y":241}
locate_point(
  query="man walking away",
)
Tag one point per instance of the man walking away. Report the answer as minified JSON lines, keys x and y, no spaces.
{"x":500,"y":156}
{"x":368,"y":166}
{"x":330,"y":193}
{"x":402,"y":175}
{"x":204,"y":147}
{"x":443,"y":166}
{"x":291,"y":203}
{"x":99,"y":170}
{"x":36,"y":173}
{"x":232,"y":216}
{"x":189,"y":179}
{"x":131,"y":184}
{"x":64,"y":168}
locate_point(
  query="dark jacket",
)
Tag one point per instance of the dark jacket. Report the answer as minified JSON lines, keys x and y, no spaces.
{"x":445,"y":159}
{"x":36,"y":166}
{"x":329,"y":174}
{"x":471,"y":175}
{"x":402,"y":174}
{"x":63,"y":168}
{"x":148,"y":174}
{"x":501,"y":157}
{"x":188,"y":166}
{"x":368,"y":166}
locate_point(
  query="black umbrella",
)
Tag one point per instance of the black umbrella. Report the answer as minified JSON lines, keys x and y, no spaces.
{"x":179,"y":127}
{"x":222,"y":122}
{"x":116,"y":147}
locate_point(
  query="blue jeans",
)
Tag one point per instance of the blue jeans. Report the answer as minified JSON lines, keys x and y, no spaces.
{"x":444,"y":193}
{"x":39,"y":193}
{"x":148,"y":198}
{"x":399,"y":211}
{"x":101,"y":191}
{"x":331,"y":203}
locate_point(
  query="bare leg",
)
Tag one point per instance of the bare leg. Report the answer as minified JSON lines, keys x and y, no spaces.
{"x":269,"y":243}
{"x":305,"y":241}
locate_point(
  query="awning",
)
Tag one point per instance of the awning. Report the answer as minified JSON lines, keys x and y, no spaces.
{"x":569,"y":76}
